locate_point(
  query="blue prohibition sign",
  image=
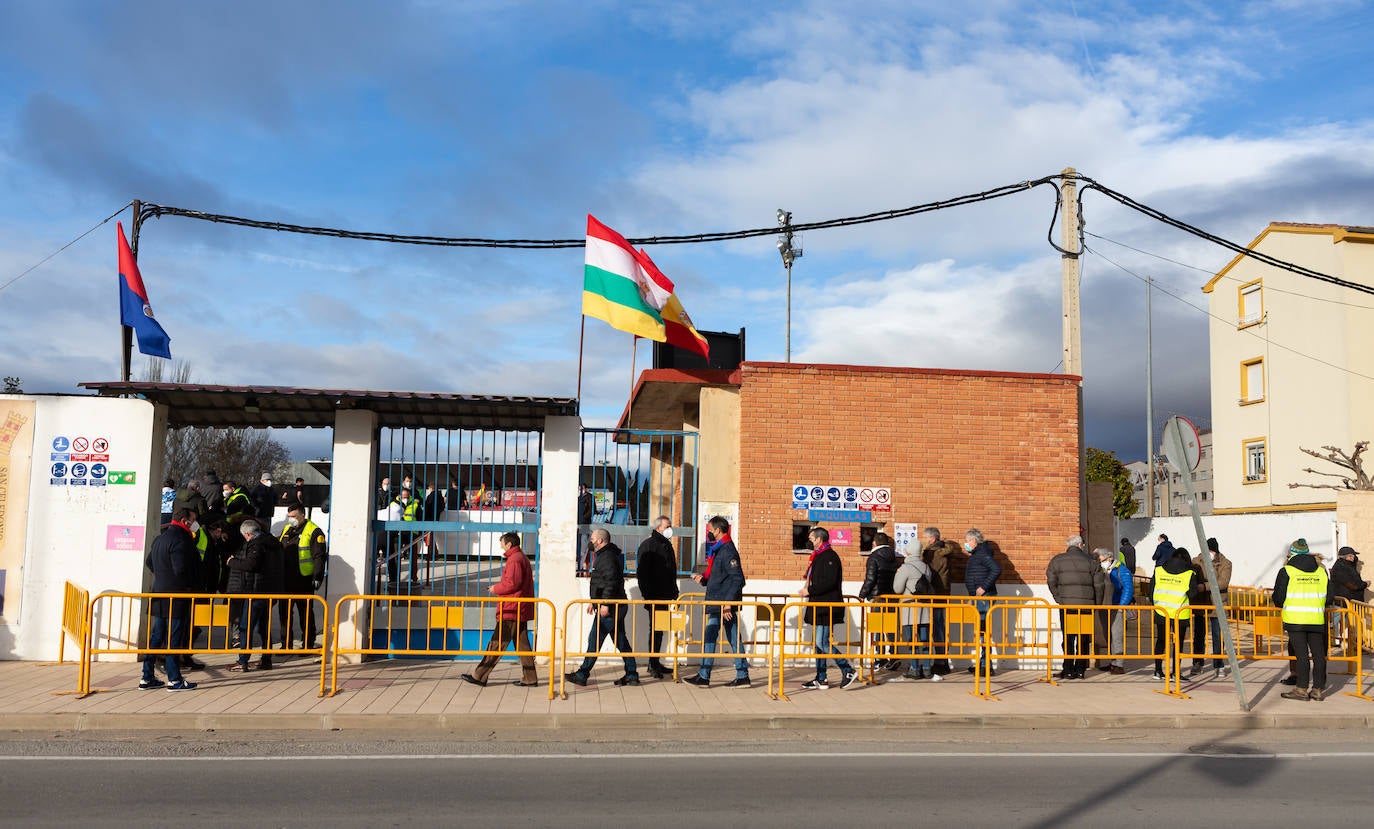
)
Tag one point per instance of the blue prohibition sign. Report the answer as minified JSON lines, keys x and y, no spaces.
{"x":97,"y":470}
{"x":59,"y":470}
{"x":60,"y":444}
{"x":78,"y":470}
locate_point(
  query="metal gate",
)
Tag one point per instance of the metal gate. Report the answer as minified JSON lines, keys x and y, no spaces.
{"x":634,"y":476}
{"x":444,"y":497}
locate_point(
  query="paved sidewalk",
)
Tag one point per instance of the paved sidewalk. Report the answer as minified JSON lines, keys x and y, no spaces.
{"x":428,"y":695}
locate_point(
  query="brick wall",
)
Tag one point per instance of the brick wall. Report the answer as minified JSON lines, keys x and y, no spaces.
{"x":959,"y":449}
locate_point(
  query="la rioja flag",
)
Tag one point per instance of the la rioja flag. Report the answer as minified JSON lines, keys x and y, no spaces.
{"x":134,"y":309}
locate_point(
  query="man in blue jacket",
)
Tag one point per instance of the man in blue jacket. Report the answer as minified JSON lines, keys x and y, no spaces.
{"x":980,"y":578}
{"x":1122,"y":593}
{"x":725,"y":584}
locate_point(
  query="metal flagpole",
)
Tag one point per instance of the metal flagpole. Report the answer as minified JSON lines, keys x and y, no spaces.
{"x":634,"y":352}
{"x":581,"y":338}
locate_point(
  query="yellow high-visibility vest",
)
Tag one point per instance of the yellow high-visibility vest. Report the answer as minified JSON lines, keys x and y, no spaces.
{"x":304,"y":560}
{"x":1171,"y":593}
{"x":1305,"y":602}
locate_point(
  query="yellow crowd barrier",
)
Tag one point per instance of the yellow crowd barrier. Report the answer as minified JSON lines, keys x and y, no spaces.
{"x":433,"y":626}
{"x":120,"y":624}
{"x":75,"y":601}
{"x":683,"y":622}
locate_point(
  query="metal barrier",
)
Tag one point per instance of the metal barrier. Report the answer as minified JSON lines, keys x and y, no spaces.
{"x":120,"y":623}
{"x":75,"y":601}
{"x":683,"y":622}
{"x":434,"y":627}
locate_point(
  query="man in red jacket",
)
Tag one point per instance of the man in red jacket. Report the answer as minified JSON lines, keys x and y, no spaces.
{"x":513,"y":618}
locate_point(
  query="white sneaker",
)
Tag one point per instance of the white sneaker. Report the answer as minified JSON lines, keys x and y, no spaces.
{"x":849,"y":679}
{"x":936,"y":678}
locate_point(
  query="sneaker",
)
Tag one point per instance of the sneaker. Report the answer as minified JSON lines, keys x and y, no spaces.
{"x":149,"y":684}
{"x":181,"y":685}
{"x":576,"y":678}
{"x":1117,"y":670}
{"x":739,"y":682}
{"x":936,"y":678}
{"x":942,"y":668}
{"x":916,"y":675}
{"x":1158,"y":675}
{"x":1195,"y":672}
{"x":1296,"y":693}
{"x":1223,"y":671}
{"x":627,"y":679}
{"x":1316,"y":694}
{"x":816,"y":685}
{"x":698,"y":680}
{"x":849,"y":679}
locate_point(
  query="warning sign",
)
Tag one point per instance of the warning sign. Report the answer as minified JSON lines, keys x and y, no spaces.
{"x":877,"y":499}
{"x":100,"y":445}
{"x":80,"y":444}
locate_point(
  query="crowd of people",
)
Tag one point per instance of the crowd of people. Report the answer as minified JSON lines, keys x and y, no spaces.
{"x":222,"y":543}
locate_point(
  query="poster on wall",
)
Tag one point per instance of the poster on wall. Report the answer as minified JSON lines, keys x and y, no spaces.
{"x":16,"y":455}
{"x":729,"y":510}
{"x":906,"y":538}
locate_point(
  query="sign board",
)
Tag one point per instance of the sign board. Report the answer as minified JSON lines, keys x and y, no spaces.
{"x":876,"y":499}
{"x":841,"y":538}
{"x":846,"y":516}
{"x":121,"y":478}
{"x":1182,"y":445}
{"x":831,"y":497}
{"x":906,"y":538}
{"x":124,"y":538}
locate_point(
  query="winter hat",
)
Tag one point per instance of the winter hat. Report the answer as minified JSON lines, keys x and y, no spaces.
{"x":1347,"y":551}
{"x":1299,"y":548}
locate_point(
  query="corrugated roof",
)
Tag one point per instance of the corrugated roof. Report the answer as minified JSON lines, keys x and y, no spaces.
{"x":192,"y":404}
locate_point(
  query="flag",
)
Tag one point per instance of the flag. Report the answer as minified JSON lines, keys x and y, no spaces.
{"x":617,"y":289}
{"x":677,"y":326}
{"x":134,"y":308}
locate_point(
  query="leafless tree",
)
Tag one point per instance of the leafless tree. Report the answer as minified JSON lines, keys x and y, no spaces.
{"x":1354,"y":476}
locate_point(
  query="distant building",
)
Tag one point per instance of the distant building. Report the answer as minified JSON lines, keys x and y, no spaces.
{"x":1170,"y":492}
{"x":1292,"y":359}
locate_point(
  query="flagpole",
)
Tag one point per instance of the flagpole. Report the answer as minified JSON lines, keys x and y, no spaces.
{"x":127,"y":333}
{"x":581,"y":338}
{"x":634,"y":352}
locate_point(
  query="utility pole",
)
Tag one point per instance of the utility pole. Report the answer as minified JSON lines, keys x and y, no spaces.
{"x":1073,"y":321}
{"x":1149,"y":394}
{"x":789,"y":255}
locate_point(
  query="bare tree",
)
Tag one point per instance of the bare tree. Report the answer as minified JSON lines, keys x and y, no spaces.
{"x":14,"y":385}
{"x":235,"y":454}
{"x":1354,"y":476}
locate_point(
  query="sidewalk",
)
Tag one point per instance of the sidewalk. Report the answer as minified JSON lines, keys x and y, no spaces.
{"x":429,"y":696}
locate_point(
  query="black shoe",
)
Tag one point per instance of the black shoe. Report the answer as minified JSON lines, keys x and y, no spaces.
{"x":1104,"y":667}
{"x":941,"y":670}
{"x":1064,"y":675}
{"x":1079,"y":675}
{"x":190,"y":664}
{"x":659,"y":672}
{"x":698,"y":680}
{"x":1291,"y":680}
{"x":576,"y":677}
{"x":627,"y":679}
{"x":739,"y":682}
{"x":472,"y":680}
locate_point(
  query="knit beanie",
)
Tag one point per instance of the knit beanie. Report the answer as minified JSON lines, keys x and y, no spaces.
{"x":1299,"y":548}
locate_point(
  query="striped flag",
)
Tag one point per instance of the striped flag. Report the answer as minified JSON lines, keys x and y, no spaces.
{"x":677,"y":326}
{"x":617,"y":289}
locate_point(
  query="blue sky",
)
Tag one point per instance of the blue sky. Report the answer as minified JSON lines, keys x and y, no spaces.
{"x":509,"y":119}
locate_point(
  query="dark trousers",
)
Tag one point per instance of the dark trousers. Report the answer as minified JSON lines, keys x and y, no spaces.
{"x":610,"y":625}
{"x":1075,"y":644}
{"x":259,"y":621}
{"x":1162,"y":638}
{"x":399,"y":544}
{"x":1309,"y":647}
{"x":937,"y":635}
{"x":509,"y":632}
{"x":176,"y":618}
{"x":656,"y":636}
{"x":1200,"y":640}
{"x":302,"y":612}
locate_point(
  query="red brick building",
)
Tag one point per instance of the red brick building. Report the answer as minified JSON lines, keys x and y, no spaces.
{"x":956,"y":449}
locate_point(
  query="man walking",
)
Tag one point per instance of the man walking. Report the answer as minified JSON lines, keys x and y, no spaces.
{"x":724,"y":583}
{"x":1122,"y":593}
{"x":1303,"y":590}
{"x":512,"y":618}
{"x":607,"y":582}
{"x":1075,"y":578}
{"x":656,"y":572}
{"x":1222,"y":566}
{"x":824,"y":584}
{"x":172,"y":560}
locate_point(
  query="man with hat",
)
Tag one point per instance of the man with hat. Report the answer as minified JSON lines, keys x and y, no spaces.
{"x":1303,"y":590}
{"x":1345,"y":579}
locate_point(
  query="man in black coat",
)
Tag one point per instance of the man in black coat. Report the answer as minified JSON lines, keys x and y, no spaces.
{"x":173,"y":560}
{"x":256,"y":569}
{"x":1127,"y":551}
{"x":879,"y":572}
{"x":264,"y":498}
{"x":607,"y":582}
{"x":656,"y":572}
{"x":825,"y":584}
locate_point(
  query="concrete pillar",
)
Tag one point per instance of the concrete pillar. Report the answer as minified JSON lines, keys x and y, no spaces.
{"x":557,"y":564}
{"x":351,"y":510}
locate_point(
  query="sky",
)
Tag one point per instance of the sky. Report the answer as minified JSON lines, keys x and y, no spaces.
{"x":515,"y":120}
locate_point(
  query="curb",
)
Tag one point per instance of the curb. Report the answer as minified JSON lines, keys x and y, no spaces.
{"x":658,"y":725}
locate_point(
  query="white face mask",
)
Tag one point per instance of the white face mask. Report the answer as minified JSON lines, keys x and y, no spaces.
{"x":667,"y":532}
{"x":294,"y":522}
{"x":1107,"y":565}
{"x":195,"y":527}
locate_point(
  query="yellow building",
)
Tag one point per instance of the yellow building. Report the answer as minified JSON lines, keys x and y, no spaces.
{"x":1292,"y":365}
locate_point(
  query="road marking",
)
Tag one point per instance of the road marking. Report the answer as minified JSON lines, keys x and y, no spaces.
{"x":756,"y":755}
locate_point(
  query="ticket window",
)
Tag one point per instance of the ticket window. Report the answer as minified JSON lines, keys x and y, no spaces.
{"x":801,"y":536}
{"x":866,"y":533}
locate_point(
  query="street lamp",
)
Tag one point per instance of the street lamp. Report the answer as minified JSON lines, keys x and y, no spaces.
{"x":790,"y":253}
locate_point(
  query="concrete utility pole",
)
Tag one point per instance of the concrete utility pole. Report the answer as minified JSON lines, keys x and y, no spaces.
{"x":1149,"y":395}
{"x":789,"y":255}
{"x":1073,"y":321}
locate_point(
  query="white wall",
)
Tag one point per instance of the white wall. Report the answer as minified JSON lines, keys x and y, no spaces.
{"x":67,"y":525}
{"x":1256,"y":543}
{"x":557,"y":561}
{"x":351,"y":508}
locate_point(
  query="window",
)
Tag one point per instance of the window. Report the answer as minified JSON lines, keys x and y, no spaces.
{"x":866,"y":533}
{"x":1253,"y":451}
{"x":1251,"y":309}
{"x":801,"y":534}
{"x":1252,"y":381}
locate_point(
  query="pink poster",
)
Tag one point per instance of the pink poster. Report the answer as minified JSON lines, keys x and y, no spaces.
{"x":123,"y":537}
{"x":841,"y":538}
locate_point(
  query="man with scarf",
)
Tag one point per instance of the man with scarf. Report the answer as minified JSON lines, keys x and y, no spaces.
{"x":824,"y":584}
{"x":725,"y":583}
{"x":607,"y":582}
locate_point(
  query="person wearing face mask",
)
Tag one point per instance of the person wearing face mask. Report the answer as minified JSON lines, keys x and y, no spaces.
{"x":1122,"y":593}
{"x":236,"y":501}
{"x":607,"y":582}
{"x":980,"y":578}
{"x":402,"y":508}
{"x":656,"y":572}
{"x":725,"y":583}
{"x":1075,"y":578}
{"x":256,"y":570}
{"x":172,"y":561}
{"x":1221,"y":565}
{"x":306,"y":557}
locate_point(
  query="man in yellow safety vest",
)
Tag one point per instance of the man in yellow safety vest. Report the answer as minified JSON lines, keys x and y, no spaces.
{"x":1303,"y":590}
{"x":306,"y":559}
{"x":1175,"y":588}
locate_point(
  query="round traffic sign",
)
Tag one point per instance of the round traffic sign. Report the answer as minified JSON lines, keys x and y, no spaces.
{"x":1182,"y":445}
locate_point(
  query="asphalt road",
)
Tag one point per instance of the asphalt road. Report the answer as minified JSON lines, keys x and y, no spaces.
{"x":961,"y":779}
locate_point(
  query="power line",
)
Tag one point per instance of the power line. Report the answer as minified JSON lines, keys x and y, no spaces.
{"x":1221,"y":319}
{"x":40,"y":262}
